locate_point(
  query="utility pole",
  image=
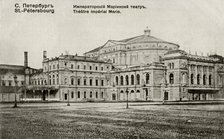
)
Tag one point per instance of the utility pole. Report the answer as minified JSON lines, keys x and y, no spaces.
{"x":127,"y":98}
{"x":68,"y":99}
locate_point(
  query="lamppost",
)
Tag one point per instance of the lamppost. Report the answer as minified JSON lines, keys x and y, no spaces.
{"x":15,"y":103}
{"x":127,"y":98}
{"x":68,"y":99}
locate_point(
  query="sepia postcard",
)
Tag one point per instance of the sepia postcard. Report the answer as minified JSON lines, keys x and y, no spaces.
{"x":111,"y":69}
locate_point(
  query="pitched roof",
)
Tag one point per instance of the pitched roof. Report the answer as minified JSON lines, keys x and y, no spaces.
{"x":14,"y":69}
{"x":136,"y":39}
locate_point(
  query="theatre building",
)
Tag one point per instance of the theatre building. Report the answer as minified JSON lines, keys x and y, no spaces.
{"x":140,"y":68}
{"x":148,"y":68}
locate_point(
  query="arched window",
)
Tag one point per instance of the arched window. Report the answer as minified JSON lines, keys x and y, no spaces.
{"x":192,"y":78}
{"x":126,"y":79}
{"x":198,"y":79}
{"x":90,"y":94}
{"x":122,"y":91}
{"x":71,"y":66}
{"x":138,"y":79}
{"x":171,"y":78}
{"x":116,"y":80}
{"x":53,"y":79}
{"x":183,"y":78}
{"x":138,"y":91}
{"x":132,"y":80}
{"x":210,"y":79}
{"x":72,"y":95}
{"x":84,"y":94}
{"x":90,"y":67}
{"x":79,"y":81}
{"x":122,"y":80}
{"x":147,"y":78}
{"x":204,"y":79}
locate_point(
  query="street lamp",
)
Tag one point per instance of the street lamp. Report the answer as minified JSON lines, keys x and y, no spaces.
{"x":15,"y":80}
{"x":127,"y":98}
{"x":68,"y":99}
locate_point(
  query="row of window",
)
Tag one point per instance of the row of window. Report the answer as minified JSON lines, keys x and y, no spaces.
{"x":85,"y":82}
{"x":133,"y":81}
{"x":171,"y":65}
{"x":132,"y":91}
{"x":11,"y":83}
{"x":56,"y":81}
{"x":204,"y":78}
{"x":53,"y":67}
{"x":91,"y":95}
{"x":200,"y":68}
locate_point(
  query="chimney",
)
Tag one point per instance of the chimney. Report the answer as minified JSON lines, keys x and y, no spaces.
{"x":44,"y":54}
{"x":147,"y":32}
{"x":25,"y":59}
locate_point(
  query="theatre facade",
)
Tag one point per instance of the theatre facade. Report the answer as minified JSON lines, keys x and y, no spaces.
{"x":141,"y":68}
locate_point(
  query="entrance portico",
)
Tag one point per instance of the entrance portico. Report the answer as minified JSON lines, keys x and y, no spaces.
{"x":202,"y":94}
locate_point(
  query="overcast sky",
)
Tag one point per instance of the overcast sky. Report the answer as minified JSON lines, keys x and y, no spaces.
{"x":196,"y":25}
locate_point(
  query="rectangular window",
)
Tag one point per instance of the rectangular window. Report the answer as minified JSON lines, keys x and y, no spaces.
{"x":102,"y":82}
{"x":78,"y":94}
{"x":90,"y":82}
{"x":84,"y":81}
{"x":96,"y":82}
{"x":78,"y":82}
{"x":96,"y":94}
